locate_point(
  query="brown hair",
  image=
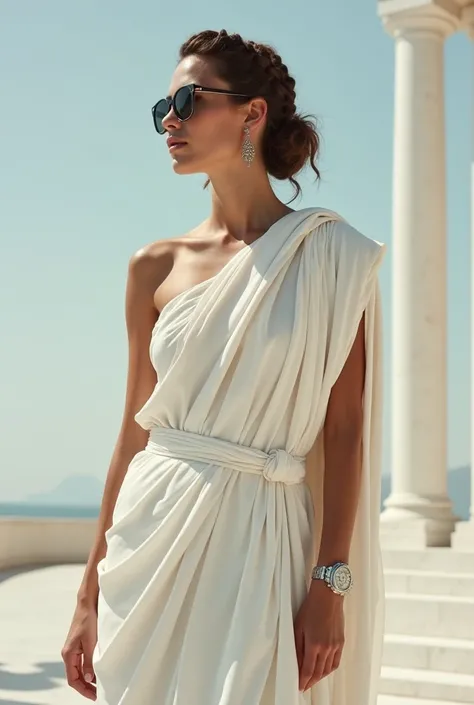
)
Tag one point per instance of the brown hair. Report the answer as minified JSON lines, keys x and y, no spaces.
{"x":290,"y":140}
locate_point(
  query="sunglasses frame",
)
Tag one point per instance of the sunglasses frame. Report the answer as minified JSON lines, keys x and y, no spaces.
{"x":195,"y":88}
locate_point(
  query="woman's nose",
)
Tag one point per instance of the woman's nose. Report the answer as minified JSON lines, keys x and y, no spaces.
{"x":170,"y":121}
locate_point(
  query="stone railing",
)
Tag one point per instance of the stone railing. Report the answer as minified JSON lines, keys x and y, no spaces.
{"x":39,"y":540}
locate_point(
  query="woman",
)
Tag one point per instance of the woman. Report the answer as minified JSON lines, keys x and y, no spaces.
{"x":243,"y":495}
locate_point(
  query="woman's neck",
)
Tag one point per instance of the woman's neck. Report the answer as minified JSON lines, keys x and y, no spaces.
{"x":244,"y":204}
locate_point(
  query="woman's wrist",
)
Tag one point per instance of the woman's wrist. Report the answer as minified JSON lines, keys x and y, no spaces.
{"x":89,"y":588}
{"x":88,"y":592}
{"x":87,"y":596}
{"x":332,"y":551}
{"x":320,"y":591}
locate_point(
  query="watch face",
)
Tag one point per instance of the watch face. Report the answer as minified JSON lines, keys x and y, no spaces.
{"x":342,"y":578}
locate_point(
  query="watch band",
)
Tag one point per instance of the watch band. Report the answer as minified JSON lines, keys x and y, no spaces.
{"x":319,"y":572}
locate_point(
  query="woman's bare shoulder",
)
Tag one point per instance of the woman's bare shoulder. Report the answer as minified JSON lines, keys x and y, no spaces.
{"x":161,"y":253}
{"x":152,"y":263}
{"x":153,"y":253}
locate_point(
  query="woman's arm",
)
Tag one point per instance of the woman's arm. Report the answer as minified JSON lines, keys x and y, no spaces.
{"x":141,"y":315}
{"x":319,"y":624}
{"x":145,"y":268}
{"x":343,"y":456}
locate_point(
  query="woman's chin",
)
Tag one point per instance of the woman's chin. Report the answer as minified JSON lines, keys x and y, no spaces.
{"x":184,"y":166}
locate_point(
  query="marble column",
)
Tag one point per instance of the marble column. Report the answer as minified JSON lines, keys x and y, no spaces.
{"x":418,"y":512}
{"x":463,"y":538}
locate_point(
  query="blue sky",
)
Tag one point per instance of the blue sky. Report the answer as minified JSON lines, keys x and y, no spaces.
{"x":85,"y":182}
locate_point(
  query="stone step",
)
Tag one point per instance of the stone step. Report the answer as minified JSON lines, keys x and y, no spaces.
{"x":442,"y":560}
{"x":431,"y":685}
{"x":429,"y":582}
{"x":397,"y":700}
{"x":429,"y":653}
{"x":429,"y":615}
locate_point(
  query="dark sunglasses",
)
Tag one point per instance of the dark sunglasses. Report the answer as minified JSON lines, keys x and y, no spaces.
{"x":183,"y":104}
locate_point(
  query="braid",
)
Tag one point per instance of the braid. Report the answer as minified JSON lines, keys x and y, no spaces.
{"x":278,"y":76}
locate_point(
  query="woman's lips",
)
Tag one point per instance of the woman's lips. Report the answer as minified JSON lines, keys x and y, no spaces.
{"x":174,"y":143}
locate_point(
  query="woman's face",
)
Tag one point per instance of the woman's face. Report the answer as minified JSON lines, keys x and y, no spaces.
{"x":214,"y":133}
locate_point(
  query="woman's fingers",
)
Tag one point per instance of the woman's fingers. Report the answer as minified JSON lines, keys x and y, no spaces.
{"x":307,"y":667}
{"x":72,"y":657}
{"x":337,"y":659}
{"x":315,"y":667}
{"x":87,"y":667}
{"x":299,"y":646}
{"x":318,"y":662}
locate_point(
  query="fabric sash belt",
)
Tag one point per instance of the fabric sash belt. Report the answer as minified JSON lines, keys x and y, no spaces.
{"x":276,"y":466}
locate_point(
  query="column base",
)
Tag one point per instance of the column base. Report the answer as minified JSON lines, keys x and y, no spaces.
{"x":412,"y":521}
{"x":463,"y":537}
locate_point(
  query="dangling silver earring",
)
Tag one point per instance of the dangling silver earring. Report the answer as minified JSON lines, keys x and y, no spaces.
{"x":248,"y":150}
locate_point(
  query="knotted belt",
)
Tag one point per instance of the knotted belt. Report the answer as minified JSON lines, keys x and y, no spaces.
{"x":276,"y":466}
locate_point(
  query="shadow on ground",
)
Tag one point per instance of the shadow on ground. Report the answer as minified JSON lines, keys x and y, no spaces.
{"x":42,"y":679}
{"x":12,"y":572}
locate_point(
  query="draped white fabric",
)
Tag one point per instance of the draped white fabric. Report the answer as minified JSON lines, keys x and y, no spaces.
{"x":217,"y":524}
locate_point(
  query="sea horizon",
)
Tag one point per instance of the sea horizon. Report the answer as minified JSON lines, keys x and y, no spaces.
{"x":25,"y":509}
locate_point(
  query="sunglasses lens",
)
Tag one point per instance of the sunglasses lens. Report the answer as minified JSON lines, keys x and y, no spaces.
{"x":184,"y":102}
{"x":160,"y":111}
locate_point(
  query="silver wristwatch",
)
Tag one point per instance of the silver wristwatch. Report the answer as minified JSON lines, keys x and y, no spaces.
{"x":337,"y":576}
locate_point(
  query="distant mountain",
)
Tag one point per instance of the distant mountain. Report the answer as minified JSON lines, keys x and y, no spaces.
{"x":86,"y":490}
{"x":83,"y":490}
{"x":459,"y":482}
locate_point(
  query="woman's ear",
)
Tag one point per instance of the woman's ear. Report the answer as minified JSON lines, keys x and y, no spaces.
{"x":257,"y":110}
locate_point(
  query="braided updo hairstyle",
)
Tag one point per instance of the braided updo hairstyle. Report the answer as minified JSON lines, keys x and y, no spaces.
{"x":290,"y":140}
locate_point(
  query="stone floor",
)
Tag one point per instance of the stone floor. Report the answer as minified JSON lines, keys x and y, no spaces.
{"x":35,"y":611}
{"x":36,"y":607}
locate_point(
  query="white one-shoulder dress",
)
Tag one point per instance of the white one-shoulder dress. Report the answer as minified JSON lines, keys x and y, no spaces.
{"x":217,"y":523}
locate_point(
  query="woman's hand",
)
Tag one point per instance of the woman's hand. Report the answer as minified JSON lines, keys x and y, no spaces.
{"x":319,"y":634}
{"x":78,"y":649}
